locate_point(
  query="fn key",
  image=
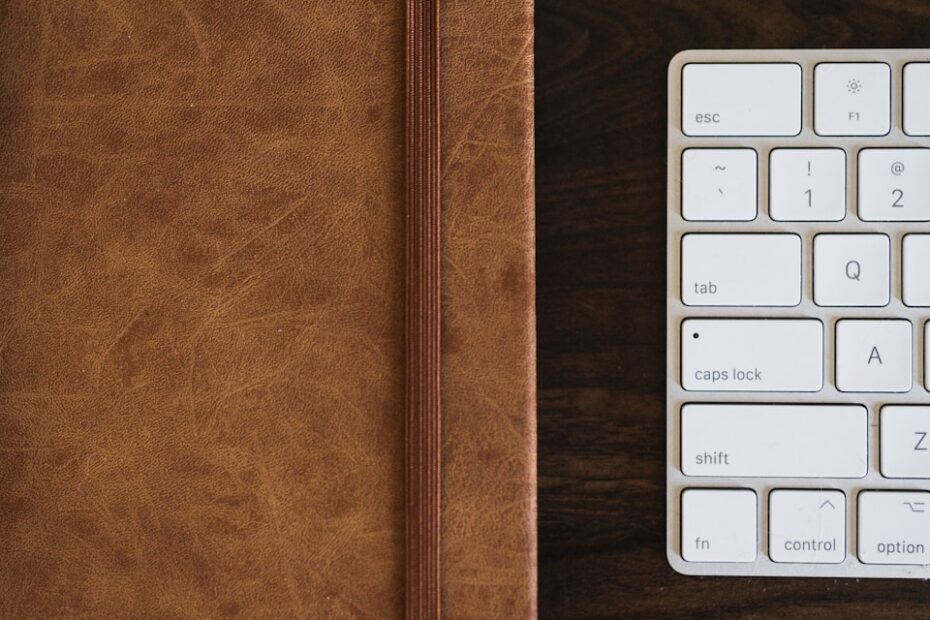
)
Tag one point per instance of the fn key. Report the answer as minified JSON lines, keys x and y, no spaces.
{"x":718,"y":525}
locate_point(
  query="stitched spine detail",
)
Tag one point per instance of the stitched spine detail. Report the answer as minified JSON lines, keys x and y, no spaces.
{"x":423,"y":426}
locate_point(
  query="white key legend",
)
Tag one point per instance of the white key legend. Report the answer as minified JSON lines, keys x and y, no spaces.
{"x":753,"y":355}
{"x":719,"y":185}
{"x":787,"y":441}
{"x":852,"y":99}
{"x":741,"y":270}
{"x":905,"y":441}
{"x":758,"y":99}
{"x":807,"y":185}
{"x":873,"y":356}
{"x":894,"y":527}
{"x":894,"y":185}
{"x":852,"y":270}
{"x":718,"y":525}
{"x":807,"y":526}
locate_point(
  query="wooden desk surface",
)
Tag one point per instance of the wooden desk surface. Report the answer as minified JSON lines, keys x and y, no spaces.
{"x":600,"y":126}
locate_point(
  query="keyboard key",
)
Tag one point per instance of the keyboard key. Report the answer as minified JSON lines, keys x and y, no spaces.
{"x":927,"y":355}
{"x":740,"y":99}
{"x":718,"y":525}
{"x":894,"y":527}
{"x":852,"y":99}
{"x":807,"y":185}
{"x":917,"y":99}
{"x":787,"y":441}
{"x":852,"y":270}
{"x":917,"y":270}
{"x":905,"y":442}
{"x":894,"y":185}
{"x":807,"y":526}
{"x":753,"y":355}
{"x":719,"y":185}
{"x":741,"y":270}
{"x":873,"y":356}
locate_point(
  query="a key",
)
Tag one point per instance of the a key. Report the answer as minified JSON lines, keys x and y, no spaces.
{"x":852,"y":99}
{"x":807,"y":526}
{"x":917,"y":98}
{"x":807,"y":185}
{"x":917,"y":270}
{"x":894,"y":527}
{"x":905,"y":441}
{"x":739,"y":99}
{"x":741,"y":270}
{"x":852,"y":270}
{"x":718,"y":525}
{"x":753,"y":355}
{"x":787,"y":441}
{"x":719,"y":185}
{"x":894,"y":185}
{"x":873,"y":356}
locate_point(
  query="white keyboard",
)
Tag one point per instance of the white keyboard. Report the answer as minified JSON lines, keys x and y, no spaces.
{"x":798,"y":306}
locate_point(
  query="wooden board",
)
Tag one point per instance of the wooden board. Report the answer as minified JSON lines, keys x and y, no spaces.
{"x":600,"y":127}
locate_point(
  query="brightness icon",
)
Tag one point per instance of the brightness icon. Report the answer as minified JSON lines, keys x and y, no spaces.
{"x":854,"y":86}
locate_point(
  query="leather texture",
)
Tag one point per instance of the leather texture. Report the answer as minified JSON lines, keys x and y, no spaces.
{"x":488,"y":309}
{"x":201,"y":309}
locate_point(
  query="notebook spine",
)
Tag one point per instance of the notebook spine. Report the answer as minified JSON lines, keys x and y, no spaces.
{"x":422,"y":310}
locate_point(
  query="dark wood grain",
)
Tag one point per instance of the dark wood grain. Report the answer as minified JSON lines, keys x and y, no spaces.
{"x":600,"y":124}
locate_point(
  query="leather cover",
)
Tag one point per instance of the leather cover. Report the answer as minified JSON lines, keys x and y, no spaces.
{"x":201,"y":309}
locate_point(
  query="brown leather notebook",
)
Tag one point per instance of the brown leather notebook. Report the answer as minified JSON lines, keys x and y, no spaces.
{"x":267,"y":309}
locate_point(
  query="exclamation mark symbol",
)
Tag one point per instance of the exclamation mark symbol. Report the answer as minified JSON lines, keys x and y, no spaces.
{"x":808,"y":168}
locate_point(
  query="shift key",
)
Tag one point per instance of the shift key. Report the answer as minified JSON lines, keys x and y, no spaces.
{"x":752,"y":355}
{"x":783,"y":441}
